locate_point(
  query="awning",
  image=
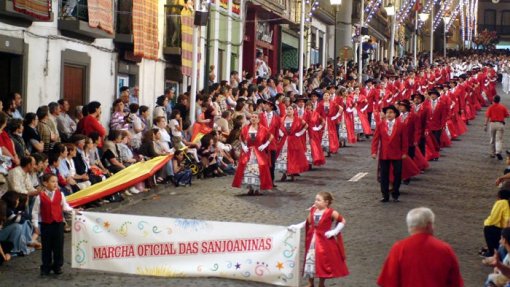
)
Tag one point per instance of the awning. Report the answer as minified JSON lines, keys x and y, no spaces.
{"x":377,"y":34}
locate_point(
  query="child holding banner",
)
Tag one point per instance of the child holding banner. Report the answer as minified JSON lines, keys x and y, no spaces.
{"x":47,"y":213}
{"x":324,"y":248}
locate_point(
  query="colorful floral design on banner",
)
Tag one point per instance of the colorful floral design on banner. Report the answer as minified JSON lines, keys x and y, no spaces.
{"x":79,"y":223}
{"x":81,"y":255}
{"x":123,"y":229}
{"x":161,"y":271}
{"x":190,"y":224}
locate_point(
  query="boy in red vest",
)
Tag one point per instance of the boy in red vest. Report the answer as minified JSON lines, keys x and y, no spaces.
{"x":48,"y":214}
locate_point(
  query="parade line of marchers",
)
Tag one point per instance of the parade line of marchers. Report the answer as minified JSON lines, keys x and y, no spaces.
{"x":182,"y":248}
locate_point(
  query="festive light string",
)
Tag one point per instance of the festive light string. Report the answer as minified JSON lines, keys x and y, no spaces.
{"x":374,"y":8}
{"x":462,"y":21}
{"x":314,"y":7}
{"x":476,"y":18}
{"x":426,"y":9}
{"x":454,"y":16}
{"x":403,"y":13}
{"x":440,"y":14}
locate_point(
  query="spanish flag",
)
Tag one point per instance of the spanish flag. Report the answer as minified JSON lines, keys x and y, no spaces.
{"x":125,"y":178}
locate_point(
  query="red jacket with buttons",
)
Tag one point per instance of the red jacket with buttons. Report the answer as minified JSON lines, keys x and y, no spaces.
{"x":51,"y":209}
{"x":390,"y":147}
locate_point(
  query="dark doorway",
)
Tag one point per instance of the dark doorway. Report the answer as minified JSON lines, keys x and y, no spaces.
{"x":74,"y":85}
{"x":11,"y":74}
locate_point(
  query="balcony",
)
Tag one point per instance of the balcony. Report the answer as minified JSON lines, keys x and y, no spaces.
{"x":24,"y":16}
{"x":502,"y":30}
{"x":173,"y":37}
{"x":277,"y":8}
{"x":73,"y":21}
{"x":124,"y":22}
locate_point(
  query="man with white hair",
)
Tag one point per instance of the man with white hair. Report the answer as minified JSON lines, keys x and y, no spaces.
{"x":421,"y":260}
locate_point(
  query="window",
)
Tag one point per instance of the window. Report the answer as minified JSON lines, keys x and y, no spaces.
{"x":489,"y":17}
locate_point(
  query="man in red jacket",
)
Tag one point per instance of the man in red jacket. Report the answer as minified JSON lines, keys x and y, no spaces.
{"x":421,"y":260}
{"x":437,"y":117}
{"x":422,"y":112}
{"x":390,"y":141}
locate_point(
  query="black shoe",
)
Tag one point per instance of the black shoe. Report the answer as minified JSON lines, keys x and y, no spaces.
{"x":406,"y":182}
{"x":384,"y":199}
{"x":58,"y":271}
{"x":499,"y":156}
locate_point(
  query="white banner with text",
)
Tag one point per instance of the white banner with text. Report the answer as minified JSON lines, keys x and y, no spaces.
{"x":174,"y":247}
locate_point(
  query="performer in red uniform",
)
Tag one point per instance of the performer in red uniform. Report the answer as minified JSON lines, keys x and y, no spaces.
{"x":291,"y":159}
{"x":253,"y":167}
{"x":315,"y":132}
{"x":324,"y":248}
{"x":421,"y":260}
{"x":329,"y":111}
{"x":271,"y":120}
{"x":390,"y":142}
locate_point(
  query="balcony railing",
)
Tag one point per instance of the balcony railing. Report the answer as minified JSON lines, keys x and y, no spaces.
{"x":73,"y":19}
{"x":500,"y":29}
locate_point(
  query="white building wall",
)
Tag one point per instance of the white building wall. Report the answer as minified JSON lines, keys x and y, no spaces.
{"x":45,"y":87}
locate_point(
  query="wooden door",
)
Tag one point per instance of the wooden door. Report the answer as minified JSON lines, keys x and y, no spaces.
{"x":74,"y":86}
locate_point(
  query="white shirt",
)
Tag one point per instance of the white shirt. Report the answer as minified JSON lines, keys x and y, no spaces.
{"x":391,"y":124}
{"x":36,"y":211}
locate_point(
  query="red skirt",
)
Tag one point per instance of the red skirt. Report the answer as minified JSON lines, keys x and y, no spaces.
{"x":420,"y":160}
{"x":431,"y":148}
{"x":409,"y":169}
{"x":445,"y":139}
{"x":452,"y":129}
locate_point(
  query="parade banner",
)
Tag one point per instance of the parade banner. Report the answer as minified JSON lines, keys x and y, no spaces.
{"x":174,"y":247}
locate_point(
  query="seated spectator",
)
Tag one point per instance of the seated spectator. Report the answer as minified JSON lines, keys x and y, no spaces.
{"x":223,"y":126}
{"x":93,"y":159}
{"x":91,"y":123}
{"x":18,"y":213}
{"x":498,"y":278}
{"x":182,"y":174}
{"x":111,"y":158}
{"x":82,"y":179}
{"x":178,"y":139}
{"x":233,"y":137}
{"x":19,"y":178}
{"x":43,"y":127}
{"x":15,"y":129}
{"x":81,"y":162}
{"x":78,"y":115}
{"x":6,"y":144}
{"x":209,"y":157}
{"x":65,"y":124}
{"x":54,"y":159}
{"x":118,"y":119}
{"x":497,"y":220}
{"x":54,"y":112}
{"x":31,"y":135}
{"x":144,"y":115}
{"x":10,"y":236}
{"x":160,"y":109}
{"x":160,"y":123}
{"x":125,"y":153}
{"x":136,"y":126}
{"x":41,"y":163}
{"x":152,"y":147}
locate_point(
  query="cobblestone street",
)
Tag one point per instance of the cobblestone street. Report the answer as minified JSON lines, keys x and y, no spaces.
{"x":459,"y":188}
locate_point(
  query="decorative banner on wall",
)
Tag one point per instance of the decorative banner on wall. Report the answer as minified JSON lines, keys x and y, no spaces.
{"x":172,"y":247}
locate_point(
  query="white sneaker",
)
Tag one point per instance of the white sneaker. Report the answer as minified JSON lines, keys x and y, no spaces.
{"x":133,"y":190}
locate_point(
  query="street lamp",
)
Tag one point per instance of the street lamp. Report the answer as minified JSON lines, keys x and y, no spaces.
{"x":446,"y":20}
{"x":335,"y":3}
{"x":423,"y":17}
{"x":390,"y":11}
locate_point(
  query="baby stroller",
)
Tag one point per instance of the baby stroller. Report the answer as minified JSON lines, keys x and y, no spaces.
{"x":189,"y":162}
